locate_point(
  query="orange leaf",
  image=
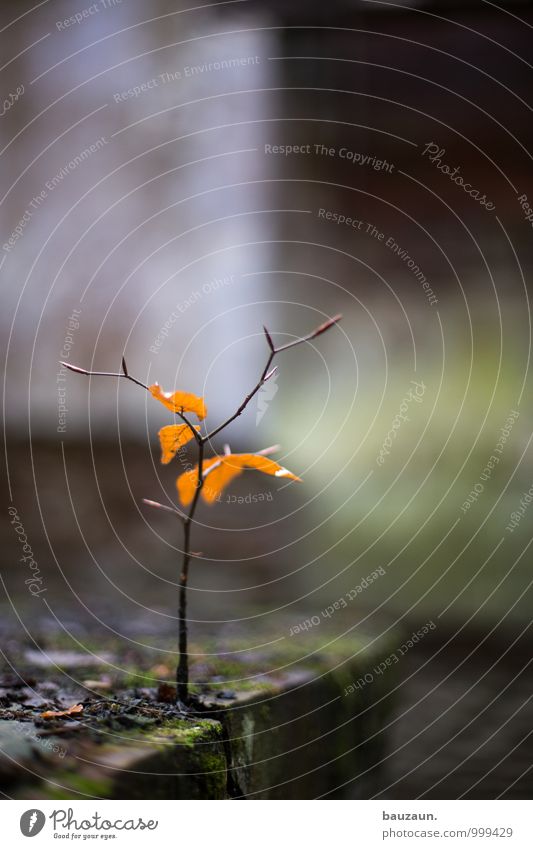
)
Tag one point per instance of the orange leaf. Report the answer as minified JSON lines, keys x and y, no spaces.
{"x":172,"y":438}
{"x":180,"y":402}
{"x":220,"y":478}
{"x":71,"y":711}
{"x":227,"y":468}
{"x":266,"y":465}
{"x":188,"y":481}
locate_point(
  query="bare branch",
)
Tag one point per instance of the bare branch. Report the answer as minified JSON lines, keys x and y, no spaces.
{"x":165,"y":507}
{"x":182,"y":672}
{"x":269,"y":339}
{"x":123,"y":373}
{"x":263,"y":379}
{"x":331,"y":322}
{"x":266,"y":375}
{"x":327,"y":324}
{"x":270,"y":450}
{"x":199,"y":438}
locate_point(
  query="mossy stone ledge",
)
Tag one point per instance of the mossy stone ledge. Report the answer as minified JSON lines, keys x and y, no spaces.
{"x":299,"y":732}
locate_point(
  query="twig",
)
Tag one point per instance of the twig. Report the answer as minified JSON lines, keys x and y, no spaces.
{"x":266,"y":374}
{"x":314,"y":333}
{"x":199,"y":438}
{"x":182,"y":672}
{"x":166,"y":507}
{"x":270,"y":450}
{"x":123,"y":373}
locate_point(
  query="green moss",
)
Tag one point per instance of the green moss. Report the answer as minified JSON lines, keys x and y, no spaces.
{"x":157,"y":755}
{"x":70,"y":785}
{"x":181,"y":732}
{"x":213,"y":771}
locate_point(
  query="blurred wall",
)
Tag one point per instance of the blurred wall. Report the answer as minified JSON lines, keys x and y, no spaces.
{"x":217,"y":169}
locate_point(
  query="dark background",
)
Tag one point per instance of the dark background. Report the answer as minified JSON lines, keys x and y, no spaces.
{"x":184,"y":195}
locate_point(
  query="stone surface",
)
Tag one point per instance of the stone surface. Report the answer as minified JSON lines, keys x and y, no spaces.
{"x":291,"y":734}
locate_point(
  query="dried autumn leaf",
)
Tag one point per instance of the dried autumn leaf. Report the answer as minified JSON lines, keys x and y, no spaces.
{"x":166,"y":693}
{"x":222,"y":470}
{"x":172,"y":438}
{"x":220,"y":477}
{"x":74,"y":710}
{"x":188,"y":481}
{"x":180,"y":402}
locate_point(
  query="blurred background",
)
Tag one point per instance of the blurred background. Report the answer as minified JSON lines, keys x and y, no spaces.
{"x":175,"y":178}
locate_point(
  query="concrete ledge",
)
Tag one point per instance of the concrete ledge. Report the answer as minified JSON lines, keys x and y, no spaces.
{"x":297,"y":736}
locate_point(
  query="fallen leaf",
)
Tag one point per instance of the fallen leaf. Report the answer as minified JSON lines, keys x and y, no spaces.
{"x":220,"y":471}
{"x":74,"y":710}
{"x":166,"y":693}
{"x":180,"y":402}
{"x":172,"y":438}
